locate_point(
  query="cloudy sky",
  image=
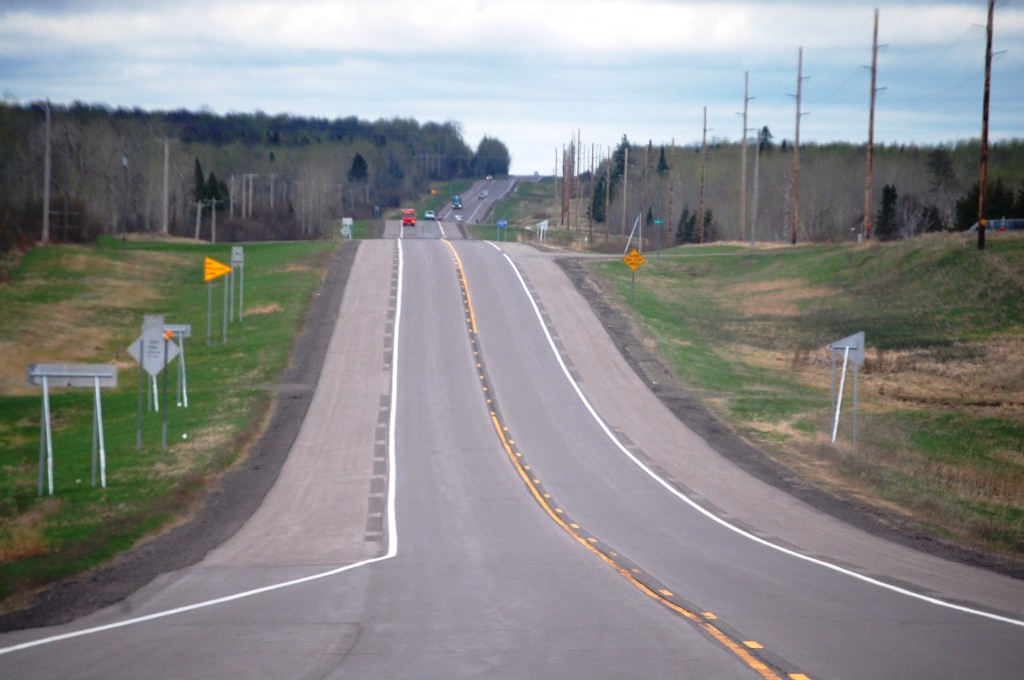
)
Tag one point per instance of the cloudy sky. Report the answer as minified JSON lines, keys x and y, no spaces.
{"x":533,"y":72}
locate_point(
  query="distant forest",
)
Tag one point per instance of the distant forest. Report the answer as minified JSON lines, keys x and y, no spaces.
{"x":915,"y":189}
{"x":296,"y":174}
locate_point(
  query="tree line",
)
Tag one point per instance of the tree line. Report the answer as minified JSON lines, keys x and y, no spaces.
{"x":296,"y":174}
{"x":916,"y":189}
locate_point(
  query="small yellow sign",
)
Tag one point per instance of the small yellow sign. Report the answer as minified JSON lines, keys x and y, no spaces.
{"x":212,"y":269}
{"x":634,"y":259}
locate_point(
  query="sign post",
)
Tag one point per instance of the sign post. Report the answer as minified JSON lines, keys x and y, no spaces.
{"x":212,"y":269}
{"x":851,"y":348}
{"x":180,"y":331}
{"x":634,"y":259}
{"x":153,"y":349}
{"x":95,"y":376}
{"x":237,"y":262}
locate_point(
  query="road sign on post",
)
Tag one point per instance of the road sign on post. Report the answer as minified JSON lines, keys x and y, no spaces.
{"x":851,"y":348}
{"x":212,"y":269}
{"x":633,"y":259}
{"x":95,"y":376}
{"x":180,"y":331}
{"x":237,"y":262}
{"x":153,"y":349}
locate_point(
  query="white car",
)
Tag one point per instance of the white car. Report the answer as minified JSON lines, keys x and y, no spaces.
{"x":429,"y":215}
{"x":458,"y":218}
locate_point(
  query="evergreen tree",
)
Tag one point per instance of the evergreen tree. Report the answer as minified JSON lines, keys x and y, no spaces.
{"x":216,"y":190}
{"x":686,"y":231}
{"x":492,"y":158}
{"x":359,"y":170}
{"x":885,"y":224}
{"x":999,"y":202}
{"x":764,"y":140}
{"x":662,"y":164}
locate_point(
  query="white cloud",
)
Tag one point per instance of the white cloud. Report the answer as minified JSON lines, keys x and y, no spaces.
{"x":528,"y":71}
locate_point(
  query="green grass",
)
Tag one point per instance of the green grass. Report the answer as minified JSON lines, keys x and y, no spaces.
{"x":110,"y":286}
{"x":941,"y":421}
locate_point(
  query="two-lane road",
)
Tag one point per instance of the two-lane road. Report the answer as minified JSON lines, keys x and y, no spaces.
{"x":471,"y":496}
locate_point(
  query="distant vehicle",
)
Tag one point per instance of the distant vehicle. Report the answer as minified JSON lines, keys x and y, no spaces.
{"x":489,"y":177}
{"x":1002,"y":224}
{"x":483,"y":194}
{"x":456,"y":202}
{"x":458,"y":218}
{"x":408,"y":217}
{"x":429,"y":215}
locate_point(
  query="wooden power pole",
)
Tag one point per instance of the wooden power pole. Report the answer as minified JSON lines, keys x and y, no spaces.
{"x":703,"y":164}
{"x":871,"y":134}
{"x":983,"y":173}
{"x":743,"y":156}
{"x":794,"y":198}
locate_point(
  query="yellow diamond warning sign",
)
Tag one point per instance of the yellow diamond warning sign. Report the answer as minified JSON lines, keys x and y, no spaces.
{"x":212,"y":269}
{"x":634,"y":259}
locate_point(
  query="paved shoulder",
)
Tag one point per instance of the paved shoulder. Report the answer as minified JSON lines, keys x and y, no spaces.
{"x":690,"y":462}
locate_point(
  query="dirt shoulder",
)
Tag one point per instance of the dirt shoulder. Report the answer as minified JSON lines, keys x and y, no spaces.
{"x":686,"y":405}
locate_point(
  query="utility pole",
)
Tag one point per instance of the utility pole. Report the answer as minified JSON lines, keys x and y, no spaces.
{"x":871,"y":134}
{"x":199,"y":217}
{"x":671,"y":188}
{"x":213,"y":220}
{"x":607,"y":192}
{"x":794,"y":198}
{"x":753,"y":208}
{"x":703,"y":164}
{"x":644,"y":204}
{"x":983,"y":174}
{"x":743,"y":156}
{"x":272,"y":176}
{"x":625,"y":191}
{"x":165,"y":224}
{"x":590,"y":212}
{"x":46,"y":180}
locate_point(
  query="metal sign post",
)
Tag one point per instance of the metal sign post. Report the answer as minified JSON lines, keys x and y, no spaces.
{"x":634,"y":259}
{"x":542,"y":230}
{"x":179,"y":332}
{"x":851,"y":348}
{"x":153,"y":349}
{"x":212,"y":269}
{"x":238,"y":262}
{"x":95,"y":376}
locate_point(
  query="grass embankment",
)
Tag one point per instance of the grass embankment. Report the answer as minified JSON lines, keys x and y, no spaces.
{"x":72,"y":304}
{"x":941,"y":427}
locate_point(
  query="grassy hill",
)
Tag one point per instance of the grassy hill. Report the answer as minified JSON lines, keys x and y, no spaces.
{"x":941,"y":417}
{"x":85,"y":304}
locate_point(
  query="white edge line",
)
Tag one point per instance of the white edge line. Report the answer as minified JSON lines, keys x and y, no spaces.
{"x":686,"y":499}
{"x":392,"y":530}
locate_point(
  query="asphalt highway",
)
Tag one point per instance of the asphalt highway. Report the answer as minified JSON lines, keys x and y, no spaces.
{"x":482,"y":488}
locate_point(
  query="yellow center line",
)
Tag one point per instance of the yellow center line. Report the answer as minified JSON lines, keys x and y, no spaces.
{"x":573,"y":529}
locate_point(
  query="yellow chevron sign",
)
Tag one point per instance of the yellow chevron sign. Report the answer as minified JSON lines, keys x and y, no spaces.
{"x":212,"y":269}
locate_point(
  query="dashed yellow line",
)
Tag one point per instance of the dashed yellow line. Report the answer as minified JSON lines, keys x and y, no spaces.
{"x":740,"y":649}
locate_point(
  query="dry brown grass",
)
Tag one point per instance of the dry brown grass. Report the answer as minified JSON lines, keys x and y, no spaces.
{"x":44,"y":338}
{"x":22,"y":536}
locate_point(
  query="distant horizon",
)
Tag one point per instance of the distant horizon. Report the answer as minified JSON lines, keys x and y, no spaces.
{"x":597,"y":68}
{"x":776,"y":140}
